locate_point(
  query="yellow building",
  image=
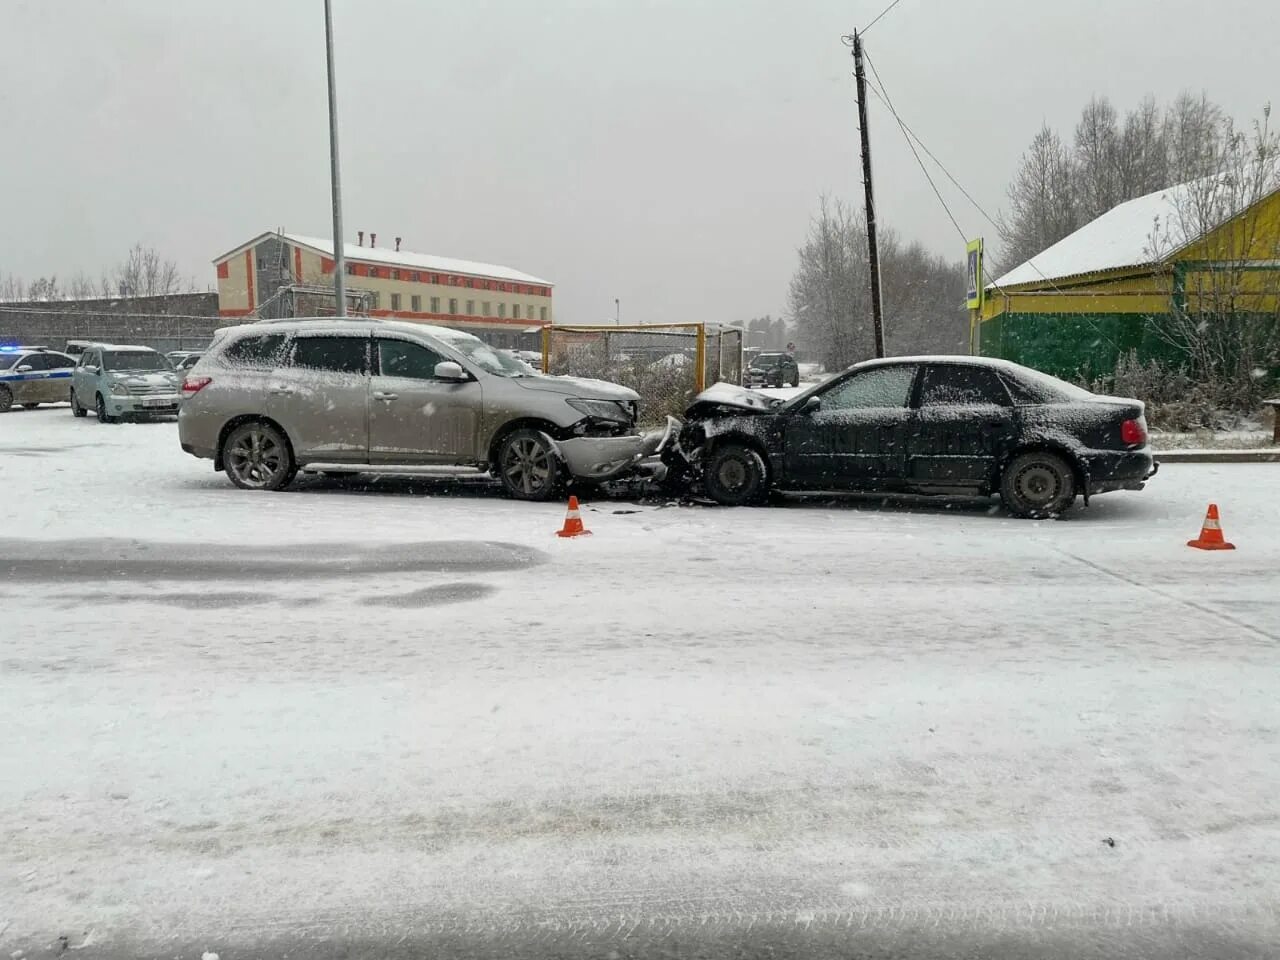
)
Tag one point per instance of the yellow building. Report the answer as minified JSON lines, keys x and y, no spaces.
{"x":504,"y":306}
{"x":1196,"y":256}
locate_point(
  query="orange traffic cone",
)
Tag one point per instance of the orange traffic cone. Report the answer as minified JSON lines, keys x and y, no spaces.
{"x":1211,"y":533}
{"x":573,"y":522}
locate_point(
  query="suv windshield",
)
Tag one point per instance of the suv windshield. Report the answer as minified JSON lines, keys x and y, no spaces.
{"x":493,"y":360}
{"x":140,"y":360}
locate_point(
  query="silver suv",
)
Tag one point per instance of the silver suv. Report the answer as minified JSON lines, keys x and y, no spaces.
{"x":361,"y":395}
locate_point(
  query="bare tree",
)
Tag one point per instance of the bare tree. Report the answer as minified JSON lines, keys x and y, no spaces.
{"x":1097,"y":146}
{"x":1042,"y":200}
{"x":145,"y":273}
{"x":1142,"y":160}
{"x":1191,"y":131}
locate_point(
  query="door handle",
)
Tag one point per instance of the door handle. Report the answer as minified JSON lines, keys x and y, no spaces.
{"x":282,"y":391}
{"x":379,"y":395}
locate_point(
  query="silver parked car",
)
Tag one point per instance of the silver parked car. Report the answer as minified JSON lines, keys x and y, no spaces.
{"x":33,"y":375}
{"x":119,"y":380}
{"x":359,"y":395}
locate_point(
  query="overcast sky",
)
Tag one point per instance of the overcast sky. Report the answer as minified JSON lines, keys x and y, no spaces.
{"x":669,"y":154}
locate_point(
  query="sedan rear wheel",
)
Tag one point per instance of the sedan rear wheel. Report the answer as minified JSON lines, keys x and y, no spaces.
{"x":1038,"y":485}
{"x":527,"y":466}
{"x":256,"y":456}
{"x":735,"y":475}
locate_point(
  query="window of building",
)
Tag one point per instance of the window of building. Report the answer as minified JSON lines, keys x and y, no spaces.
{"x":471,"y":308}
{"x":413,"y":276}
{"x":542,"y":314}
{"x":515,"y":311}
{"x":395,"y":301}
{"x":415,"y":303}
{"x":435,"y":304}
{"x":962,"y":385}
{"x":484,"y":308}
{"x":453,"y":305}
{"x":395,"y":274}
{"x":375,"y":300}
{"x":373,"y":271}
{"x":351,"y":269}
{"x":468,"y":283}
{"x":530,"y":313}
{"x":502,"y":309}
{"x":339,"y":354}
{"x":399,"y":358}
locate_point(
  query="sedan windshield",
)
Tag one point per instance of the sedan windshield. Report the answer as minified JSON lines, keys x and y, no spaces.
{"x":134,"y":360}
{"x":494,"y":361}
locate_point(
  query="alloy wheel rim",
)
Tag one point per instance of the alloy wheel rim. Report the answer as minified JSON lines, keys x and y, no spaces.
{"x":255,"y":458}
{"x":527,"y":466}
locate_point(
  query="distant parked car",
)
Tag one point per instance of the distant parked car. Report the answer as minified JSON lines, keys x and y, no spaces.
{"x":363,"y":395}
{"x":123,"y":381}
{"x":185,"y":362}
{"x":933,"y":425}
{"x":31,"y":376}
{"x":772,"y":370}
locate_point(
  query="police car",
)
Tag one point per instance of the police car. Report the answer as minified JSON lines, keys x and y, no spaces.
{"x":33,"y":375}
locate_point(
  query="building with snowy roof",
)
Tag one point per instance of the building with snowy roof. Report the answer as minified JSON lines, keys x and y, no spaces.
{"x":285,"y":274}
{"x":1207,"y":251}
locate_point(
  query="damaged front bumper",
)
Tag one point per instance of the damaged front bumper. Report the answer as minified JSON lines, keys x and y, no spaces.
{"x":609,"y":458}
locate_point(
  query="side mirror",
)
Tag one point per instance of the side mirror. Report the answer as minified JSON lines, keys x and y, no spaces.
{"x":812,"y":405}
{"x":448,"y":370}
{"x":25,"y":368}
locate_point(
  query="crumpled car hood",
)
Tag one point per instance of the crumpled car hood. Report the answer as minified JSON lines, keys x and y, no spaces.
{"x":729,"y":398}
{"x":578,"y":387}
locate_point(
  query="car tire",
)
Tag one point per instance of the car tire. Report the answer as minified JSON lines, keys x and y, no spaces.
{"x":100,"y":406}
{"x":6,"y":398}
{"x":76,"y":409}
{"x":1038,"y":485}
{"x":257,"y":456}
{"x":735,"y":475}
{"x":527,"y":466}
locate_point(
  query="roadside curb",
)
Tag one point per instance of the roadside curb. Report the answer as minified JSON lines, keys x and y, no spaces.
{"x":1259,"y":455}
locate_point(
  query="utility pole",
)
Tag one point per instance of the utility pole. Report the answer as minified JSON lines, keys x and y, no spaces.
{"x":873,"y":250}
{"x":617,"y":311}
{"x":339,"y":260}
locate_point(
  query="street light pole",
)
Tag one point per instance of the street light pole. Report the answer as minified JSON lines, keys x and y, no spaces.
{"x":617,"y":312}
{"x":339,"y":259}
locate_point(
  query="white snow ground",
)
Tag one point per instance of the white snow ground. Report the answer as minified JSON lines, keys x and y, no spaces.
{"x":845,"y":716}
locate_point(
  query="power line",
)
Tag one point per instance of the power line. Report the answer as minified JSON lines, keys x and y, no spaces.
{"x":880,"y":14}
{"x":883,"y":94}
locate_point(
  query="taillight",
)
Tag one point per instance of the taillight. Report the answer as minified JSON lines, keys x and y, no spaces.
{"x":193,"y":385}
{"x":1133,"y":432}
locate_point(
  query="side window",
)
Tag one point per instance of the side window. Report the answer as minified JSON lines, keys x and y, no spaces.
{"x":869,"y":389}
{"x":36,"y":361}
{"x":260,"y":350}
{"x":400,"y":358}
{"x":87,"y":359}
{"x":57,"y":361}
{"x":339,"y":354}
{"x":961,"y":385}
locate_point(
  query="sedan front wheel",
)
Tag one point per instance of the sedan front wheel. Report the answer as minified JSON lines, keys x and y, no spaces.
{"x":527,"y":466}
{"x":735,"y":475}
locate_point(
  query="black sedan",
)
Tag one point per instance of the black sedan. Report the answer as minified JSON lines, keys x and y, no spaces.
{"x":928,"y":425}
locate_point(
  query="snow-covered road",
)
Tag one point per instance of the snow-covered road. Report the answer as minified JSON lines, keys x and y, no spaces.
{"x":407,"y":715}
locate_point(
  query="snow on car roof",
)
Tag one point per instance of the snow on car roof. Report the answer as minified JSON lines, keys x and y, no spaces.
{"x":1135,"y":233}
{"x":423,"y":261}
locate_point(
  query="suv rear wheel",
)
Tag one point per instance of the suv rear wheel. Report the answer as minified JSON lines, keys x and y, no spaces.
{"x":735,"y":475}
{"x":256,"y":456}
{"x":1038,"y":485}
{"x":527,"y":466}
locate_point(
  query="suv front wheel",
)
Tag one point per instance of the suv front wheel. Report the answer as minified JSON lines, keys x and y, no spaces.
{"x":527,"y":466}
{"x":256,"y":456}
